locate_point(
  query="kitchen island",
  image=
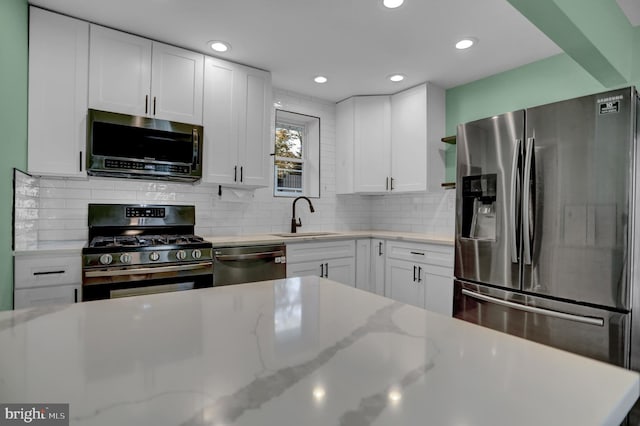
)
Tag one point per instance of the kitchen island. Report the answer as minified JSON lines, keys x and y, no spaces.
{"x":300,"y":351}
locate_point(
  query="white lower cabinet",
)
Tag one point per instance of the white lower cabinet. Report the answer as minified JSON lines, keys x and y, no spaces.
{"x":54,"y":295}
{"x":335,"y":260}
{"x":363,"y":265}
{"x":378,"y":257}
{"x":420,"y":275}
{"x":47,"y":279}
{"x":404,"y":282}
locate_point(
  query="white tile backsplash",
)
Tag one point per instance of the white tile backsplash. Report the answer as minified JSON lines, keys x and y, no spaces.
{"x":62,"y":204}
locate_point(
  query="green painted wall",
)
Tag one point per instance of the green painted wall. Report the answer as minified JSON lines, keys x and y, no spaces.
{"x":541,"y":82}
{"x":14,"y":25}
{"x":549,"y":80}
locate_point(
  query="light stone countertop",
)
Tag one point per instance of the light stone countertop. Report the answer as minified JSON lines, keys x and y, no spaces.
{"x":75,"y":246}
{"x":304,"y":236}
{"x":51,"y":247}
{"x":300,"y":351}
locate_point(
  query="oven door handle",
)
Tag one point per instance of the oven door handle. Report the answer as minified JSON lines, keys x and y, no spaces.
{"x":145,"y":271}
{"x":249,"y":256}
{"x":535,"y":310}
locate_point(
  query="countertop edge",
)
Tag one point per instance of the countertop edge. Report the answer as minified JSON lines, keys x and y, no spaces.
{"x":75,"y":246}
{"x":239,"y":240}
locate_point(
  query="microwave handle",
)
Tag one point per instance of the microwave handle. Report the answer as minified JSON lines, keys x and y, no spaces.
{"x":196,"y":152}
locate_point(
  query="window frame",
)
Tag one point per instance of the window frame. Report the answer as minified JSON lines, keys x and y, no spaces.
{"x":303,"y":121}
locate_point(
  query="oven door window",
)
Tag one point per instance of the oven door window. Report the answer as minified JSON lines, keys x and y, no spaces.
{"x":120,"y":286}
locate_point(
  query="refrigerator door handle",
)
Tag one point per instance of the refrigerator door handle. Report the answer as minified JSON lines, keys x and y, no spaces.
{"x":562,"y":315}
{"x":515,"y":187}
{"x":526,"y":195}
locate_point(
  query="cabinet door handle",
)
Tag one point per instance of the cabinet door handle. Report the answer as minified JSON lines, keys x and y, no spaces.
{"x":75,"y":295}
{"x":414,"y":273}
{"x":322,"y":270}
{"x":392,"y":184}
{"x":241,"y":174}
{"x":146,"y":104}
{"x":80,"y":161}
{"x":154,"y":111}
{"x":419,"y":274}
{"x":380,"y":249}
{"x":49,"y":272}
{"x":386,"y":185}
{"x":326,"y":270}
{"x":235,"y":173}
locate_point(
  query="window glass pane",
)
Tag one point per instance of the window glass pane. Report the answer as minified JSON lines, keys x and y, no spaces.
{"x":289,"y":140}
{"x":288,"y":177}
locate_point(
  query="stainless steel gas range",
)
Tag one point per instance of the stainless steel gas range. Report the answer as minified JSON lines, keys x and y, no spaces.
{"x":143,"y":249}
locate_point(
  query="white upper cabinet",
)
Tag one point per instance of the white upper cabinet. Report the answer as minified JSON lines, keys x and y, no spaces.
{"x":58,"y":64}
{"x":237,"y":114}
{"x":177,"y":84}
{"x":372,"y":143}
{"x":388,"y":144}
{"x":409,"y":139}
{"x":134,"y":75}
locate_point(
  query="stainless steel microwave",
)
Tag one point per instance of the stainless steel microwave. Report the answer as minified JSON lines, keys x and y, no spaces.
{"x":120,"y":145}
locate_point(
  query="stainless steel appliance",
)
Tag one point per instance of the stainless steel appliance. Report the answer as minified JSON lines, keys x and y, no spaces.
{"x":120,"y":145}
{"x":142,"y":249}
{"x":245,"y":264}
{"x":544,"y":224}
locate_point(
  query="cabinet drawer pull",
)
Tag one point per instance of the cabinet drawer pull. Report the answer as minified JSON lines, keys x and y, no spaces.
{"x":417,"y":252}
{"x":49,"y":272}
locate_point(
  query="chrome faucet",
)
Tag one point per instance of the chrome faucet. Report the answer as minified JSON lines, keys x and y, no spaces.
{"x":294,"y":224}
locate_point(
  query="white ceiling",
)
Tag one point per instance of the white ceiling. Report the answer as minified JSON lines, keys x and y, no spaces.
{"x":354,"y":43}
{"x":631,"y":8}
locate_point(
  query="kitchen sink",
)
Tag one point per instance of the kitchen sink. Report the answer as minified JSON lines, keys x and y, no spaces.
{"x":303,"y":234}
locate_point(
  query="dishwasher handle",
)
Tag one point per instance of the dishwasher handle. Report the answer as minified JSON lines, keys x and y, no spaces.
{"x":248,"y":256}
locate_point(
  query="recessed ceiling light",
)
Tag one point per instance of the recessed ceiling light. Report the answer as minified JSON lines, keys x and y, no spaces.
{"x":392,"y":4}
{"x":219,"y":46}
{"x":465,"y":43}
{"x":396,"y":77}
{"x":320,"y":79}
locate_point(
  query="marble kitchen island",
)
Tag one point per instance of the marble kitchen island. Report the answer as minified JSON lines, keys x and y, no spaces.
{"x":300,"y":351}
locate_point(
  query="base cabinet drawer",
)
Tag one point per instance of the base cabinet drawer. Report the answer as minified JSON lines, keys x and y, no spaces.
{"x":47,"y":270}
{"x":51,"y":295}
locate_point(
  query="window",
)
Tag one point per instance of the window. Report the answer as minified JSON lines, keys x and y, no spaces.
{"x":297,"y":155}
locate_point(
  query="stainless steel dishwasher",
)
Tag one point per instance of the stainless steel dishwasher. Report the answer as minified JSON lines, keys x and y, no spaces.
{"x":245,"y":264}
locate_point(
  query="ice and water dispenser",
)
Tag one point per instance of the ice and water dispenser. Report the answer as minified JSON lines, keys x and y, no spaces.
{"x":479,"y":207}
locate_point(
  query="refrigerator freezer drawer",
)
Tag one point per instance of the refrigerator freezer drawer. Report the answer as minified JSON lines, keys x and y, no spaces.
{"x":592,"y":332}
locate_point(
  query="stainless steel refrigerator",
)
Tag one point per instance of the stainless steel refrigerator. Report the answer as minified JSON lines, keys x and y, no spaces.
{"x":544,"y":224}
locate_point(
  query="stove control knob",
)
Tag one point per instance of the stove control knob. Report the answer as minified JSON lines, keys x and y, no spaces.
{"x":154,"y":256}
{"x":196,"y":254}
{"x":181,"y":255}
{"x":106,"y":259}
{"x":125,"y":258}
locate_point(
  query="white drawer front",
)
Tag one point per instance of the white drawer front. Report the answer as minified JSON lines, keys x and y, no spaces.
{"x":306,"y":252}
{"x":52,"y":295}
{"x":40,"y":271}
{"x":421,"y":253}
